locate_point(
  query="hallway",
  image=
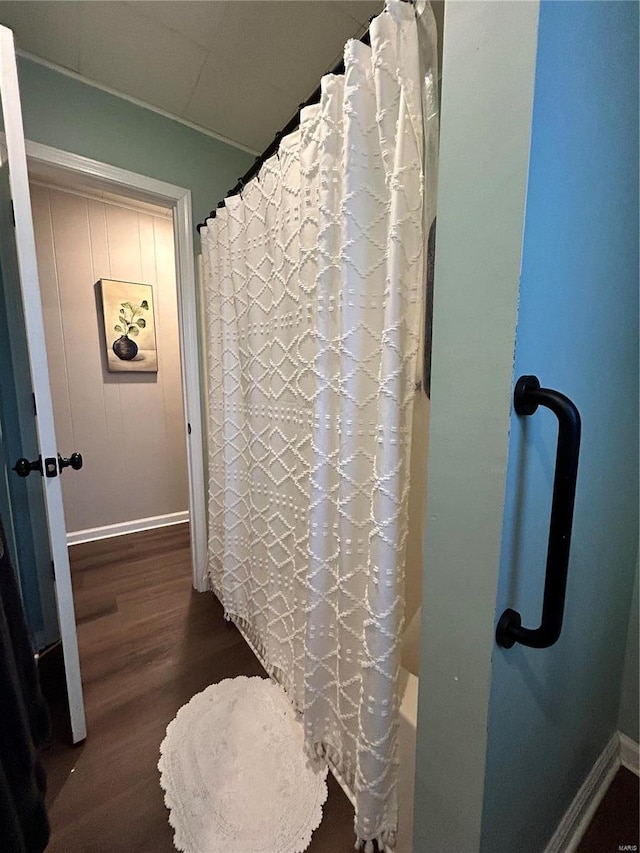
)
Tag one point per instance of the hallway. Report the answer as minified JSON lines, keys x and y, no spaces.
{"x":148,"y":643}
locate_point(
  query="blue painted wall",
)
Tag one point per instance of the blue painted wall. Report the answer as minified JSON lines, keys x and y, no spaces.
{"x":553,"y":711}
{"x":14,"y":494}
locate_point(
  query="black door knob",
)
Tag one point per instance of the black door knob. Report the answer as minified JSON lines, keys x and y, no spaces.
{"x":23,"y":467}
{"x":74,"y":461}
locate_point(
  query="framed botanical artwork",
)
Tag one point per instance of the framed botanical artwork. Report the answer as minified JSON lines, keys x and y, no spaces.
{"x":129,"y":326}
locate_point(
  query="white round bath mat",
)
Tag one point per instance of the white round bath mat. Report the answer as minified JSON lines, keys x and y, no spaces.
{"x":235,"y":773}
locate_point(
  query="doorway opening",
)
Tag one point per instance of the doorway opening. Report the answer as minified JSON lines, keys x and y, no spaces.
{"x":135,"y":229}
{"x":140,"y":433}
{"x":127,"y":424}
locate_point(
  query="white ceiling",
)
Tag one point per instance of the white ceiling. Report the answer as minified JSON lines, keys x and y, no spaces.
{"x":238,"y":68}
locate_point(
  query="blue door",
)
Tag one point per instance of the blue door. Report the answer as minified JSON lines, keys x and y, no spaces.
{"x":21,"y":500}
{"x":536,"y":274}
{"x":553,"y":711}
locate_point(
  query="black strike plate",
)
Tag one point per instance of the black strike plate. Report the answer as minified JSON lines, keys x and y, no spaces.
{"x":51,"y":466}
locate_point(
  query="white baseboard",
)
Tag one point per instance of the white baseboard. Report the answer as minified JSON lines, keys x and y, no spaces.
{"x":135,"y":526}
{"x":579,"y":814}
{"x":629,"y":757}
{"x":620,"y":751}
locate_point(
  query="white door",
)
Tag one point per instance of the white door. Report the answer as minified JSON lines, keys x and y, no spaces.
{"x":27,"y":344}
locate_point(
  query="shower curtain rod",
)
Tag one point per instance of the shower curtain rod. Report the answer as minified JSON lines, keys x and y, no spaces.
{"x":289,"y":127}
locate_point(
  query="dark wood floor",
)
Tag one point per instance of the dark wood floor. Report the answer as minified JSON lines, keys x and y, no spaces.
{"x":614,"y":826}
{"x":148,"y":643}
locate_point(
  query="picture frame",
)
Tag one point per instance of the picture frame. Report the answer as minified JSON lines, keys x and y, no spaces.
{"x":128,"y":314}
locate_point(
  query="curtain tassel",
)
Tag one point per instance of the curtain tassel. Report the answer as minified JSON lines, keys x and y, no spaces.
{"x":387,"y":840}
{"x":366,"y":846}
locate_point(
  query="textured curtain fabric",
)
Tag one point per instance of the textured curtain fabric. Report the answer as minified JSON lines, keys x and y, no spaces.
{"x":315,"y":284}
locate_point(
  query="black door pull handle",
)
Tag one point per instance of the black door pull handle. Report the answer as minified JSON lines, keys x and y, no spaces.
{"x":24,"y":467}
{"x":74,"y":461}
{"x":48,"y":468}
{"x":527,"y":396}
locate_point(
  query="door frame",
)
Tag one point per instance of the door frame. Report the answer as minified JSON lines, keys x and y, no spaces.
{"x":102,"y":176}
{"x":488,"y":75}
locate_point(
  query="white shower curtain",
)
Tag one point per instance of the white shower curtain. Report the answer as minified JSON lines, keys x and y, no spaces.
{"x":315,"y":281}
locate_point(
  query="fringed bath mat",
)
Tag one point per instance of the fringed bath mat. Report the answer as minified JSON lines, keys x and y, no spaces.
{"x":235,"y":773}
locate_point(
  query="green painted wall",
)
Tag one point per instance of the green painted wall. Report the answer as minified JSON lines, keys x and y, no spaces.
{"x":487,"y":95}
{"x":70,"y":115}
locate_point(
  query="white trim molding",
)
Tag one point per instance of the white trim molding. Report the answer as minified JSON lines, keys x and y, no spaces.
{"x":191,"y":380}
{"x":621,"y":751}
{"x":138,"y":186}
{"x":92,"y":534}
{"x":22,"y":289}
{"x":178,"y":199}
{"x":629,"y":754}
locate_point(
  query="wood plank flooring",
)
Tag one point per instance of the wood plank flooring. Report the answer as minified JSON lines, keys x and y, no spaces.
{"x":614,"y":826}
{"x":148,"y":643}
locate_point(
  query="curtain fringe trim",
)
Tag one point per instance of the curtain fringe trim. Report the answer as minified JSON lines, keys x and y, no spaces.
{"x":259,"y":650}
{"x":318,"y":750}
{"x":386,"y":842}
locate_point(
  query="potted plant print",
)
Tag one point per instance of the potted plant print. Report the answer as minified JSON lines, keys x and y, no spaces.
{"x":129,"y":323}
